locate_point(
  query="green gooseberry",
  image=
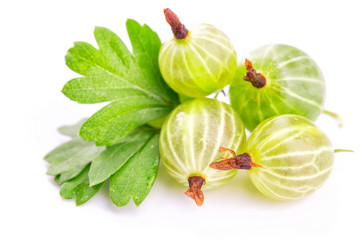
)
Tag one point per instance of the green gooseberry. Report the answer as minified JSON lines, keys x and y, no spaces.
{"x":277,"y":79}
{"x":287,"y":157}
{"x":190,"y":138}
{"x":199,"y":62}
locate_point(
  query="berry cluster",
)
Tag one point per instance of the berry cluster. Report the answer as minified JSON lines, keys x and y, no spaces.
{"x":276,"y":93}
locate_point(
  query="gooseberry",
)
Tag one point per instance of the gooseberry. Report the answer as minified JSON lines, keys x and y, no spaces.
{"x":287,"y":157}
{"x":274,"y":80}
{"x":190,"y":138}
{"x":199,"y":62}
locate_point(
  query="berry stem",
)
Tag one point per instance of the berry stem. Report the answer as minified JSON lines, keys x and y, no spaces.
{"x":194,"y":191}
{"x":219,"y":91}
{"x":179,"y":29}
{"x":257,"y":79}
{"x":242,"y":161}
{"x":342,"y":150}
{"x":334,"y":115}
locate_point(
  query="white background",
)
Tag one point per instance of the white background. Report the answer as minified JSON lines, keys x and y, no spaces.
{"x":35,"y":36}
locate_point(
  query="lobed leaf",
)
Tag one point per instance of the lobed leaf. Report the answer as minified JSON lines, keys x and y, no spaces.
{"x":79,"y":188}
{"x":116,"y":120}
{"x":135,"y":179}
{"x":81,"y":167}
{"x":70,"y":158}
{"x":146,"y":47}
{"x":111,"y":160}
{"x":73,"y":130}
{"x":132,"y":82}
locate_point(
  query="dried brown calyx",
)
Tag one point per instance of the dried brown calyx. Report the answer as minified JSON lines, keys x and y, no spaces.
{"x":194,"y":191}
{"x":242,"y":161}
{"x":179,"y":30}
{"x":257,"y":79}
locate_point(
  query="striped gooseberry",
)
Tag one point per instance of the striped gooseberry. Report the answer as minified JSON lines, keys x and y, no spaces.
{"x":199,"y":62}
{"x":274,"y":80}
{"x":287,"y":157}
{"x":189,"y":141}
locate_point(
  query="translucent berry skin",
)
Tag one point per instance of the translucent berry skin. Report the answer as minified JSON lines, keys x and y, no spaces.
{"x":191,"y":136}
{"x":200,"y":64}
{"x":296,"y":157}
{"x":294,"y":85}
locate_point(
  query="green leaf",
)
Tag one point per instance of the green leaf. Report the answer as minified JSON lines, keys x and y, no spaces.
{"x":73,"y":130}
{"x":146,"y":47}
{"x":132,"y":82}
{"x":111,"y":160}
{"x":135,"y":179}
{"x":79,"y":188}
{"x":70,"y":158}
{"x":57,"y":179}
{"x":77,"y":163}
{"x":116,"y":120}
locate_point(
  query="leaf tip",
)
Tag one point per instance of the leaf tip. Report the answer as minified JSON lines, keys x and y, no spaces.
{"x":92,"y":182}
{"x":138,"y":200}
{"x":131,"y":21}
{"x":99,"y":29}
{"x":83,"y":133}
{"x":46,"y":157}
{"x":65,"y":89}
{"x":132,"y":24}
{"x":80,"y":202}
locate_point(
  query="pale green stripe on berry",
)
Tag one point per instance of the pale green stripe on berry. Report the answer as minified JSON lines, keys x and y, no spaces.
{"x":212,"y":56}
{"x":298,"y":192}
{"x":220,"y":133}
{"x":229,"y":139}
{"x":274,"y":136}
{"x":172,"y":150}
{"x":299,"y":167}
{"x":191,"y":132}
{"x":271,"y":193}
{"x":267,"y":98}
{"x":291,"y":178}
{"x":302,"y":79}
{"x":244,"y":103}
{"x":286,"y":140}
{"x":189,"y":71}
{"x":205,"y":131}
{"x":308,"y":101}
{"x":229,"y":50}
{"x":295,"y":154}
{"x":208,"y":33}
{"x":210,"y":73}
{"x":291,"y":94}
{"x":300,"y":58}
{"x":267,"y":52}
{"x":171,"y":67}
{"x":258,"y":133}
{"x":291,"y":107}
{"x":260,"y":112}
{"x":234,"y":125}
{"x":214,"y":179}
{"x":164,"y":49}
{"x":174,"y":172}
